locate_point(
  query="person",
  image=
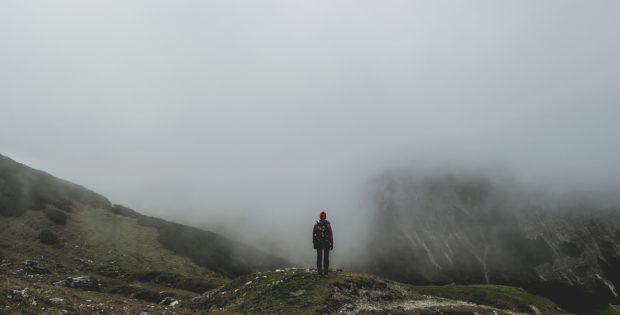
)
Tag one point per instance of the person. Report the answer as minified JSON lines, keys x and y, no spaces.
{"x":323,"y":241}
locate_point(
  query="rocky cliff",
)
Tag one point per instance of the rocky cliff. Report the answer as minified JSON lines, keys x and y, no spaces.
{"x":472,"y":229}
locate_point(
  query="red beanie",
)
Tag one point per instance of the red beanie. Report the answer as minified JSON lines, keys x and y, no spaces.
{"x":323,"y":215}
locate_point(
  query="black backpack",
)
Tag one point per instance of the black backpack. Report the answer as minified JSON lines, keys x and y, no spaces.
{"x":322,"y":237}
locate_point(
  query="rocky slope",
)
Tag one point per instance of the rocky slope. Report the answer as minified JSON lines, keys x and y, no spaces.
{"x":303,"y":291}
{"x":473,"y":230}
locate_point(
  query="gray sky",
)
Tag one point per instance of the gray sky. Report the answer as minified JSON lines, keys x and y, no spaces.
{"x":210,"y":112}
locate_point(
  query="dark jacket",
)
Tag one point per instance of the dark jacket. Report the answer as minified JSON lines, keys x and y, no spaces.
{"x":330,"y":234}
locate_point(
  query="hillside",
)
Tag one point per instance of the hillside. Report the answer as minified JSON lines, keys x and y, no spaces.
{"x":65,"y":249}
{"x":23,"y":188}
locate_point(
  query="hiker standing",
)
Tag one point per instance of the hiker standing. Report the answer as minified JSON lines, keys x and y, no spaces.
{"x":323,"y":241}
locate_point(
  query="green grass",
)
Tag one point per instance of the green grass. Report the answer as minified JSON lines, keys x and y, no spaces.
{"x":287,"y":292}
{"x":193,"y":284}
{"x":119,"y":243}
{"x":499,"y":296}
{"x":610,"y":310}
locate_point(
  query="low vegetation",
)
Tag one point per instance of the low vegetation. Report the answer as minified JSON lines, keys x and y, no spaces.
{"x":499,"y":296}
{"x":48,"y":237}
{"x":56,"y":216}
{"x":303,"y":291}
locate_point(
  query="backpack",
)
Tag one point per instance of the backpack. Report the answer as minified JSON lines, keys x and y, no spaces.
{"x":322,"y":237}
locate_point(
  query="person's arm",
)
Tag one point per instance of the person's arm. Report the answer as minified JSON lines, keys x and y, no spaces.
{"x":330,"y":233}
{"x":314,"y":236}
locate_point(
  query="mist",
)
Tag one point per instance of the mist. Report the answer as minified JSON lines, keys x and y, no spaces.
{"x":249,"y":118}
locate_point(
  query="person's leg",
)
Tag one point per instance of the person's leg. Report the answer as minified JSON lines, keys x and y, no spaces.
{"x":326,"y":261}
{"x":319,"y":260}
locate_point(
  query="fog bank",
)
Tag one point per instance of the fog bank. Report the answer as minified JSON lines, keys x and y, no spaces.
{"x":249,"y":118}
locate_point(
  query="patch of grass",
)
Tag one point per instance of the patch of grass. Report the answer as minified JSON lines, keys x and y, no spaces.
{"x":609,"y":310}
{"x":119,"y":245}
{"x":286,"y":292}
{"x":499,"y":296}
{"x":193,"y":284}
{"x":206,"y":248}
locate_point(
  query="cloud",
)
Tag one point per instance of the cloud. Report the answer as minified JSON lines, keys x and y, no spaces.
{"x":274,"y":110}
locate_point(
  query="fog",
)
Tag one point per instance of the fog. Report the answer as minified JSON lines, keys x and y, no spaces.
{"x":250,"y":117}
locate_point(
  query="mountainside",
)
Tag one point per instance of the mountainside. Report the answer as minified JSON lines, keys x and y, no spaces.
{"x":65,"y":249}
{"x":23,"y":188}
{"x":469,"y":230}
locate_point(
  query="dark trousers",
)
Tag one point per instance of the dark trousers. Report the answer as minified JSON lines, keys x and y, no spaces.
{"x":322,"y":259}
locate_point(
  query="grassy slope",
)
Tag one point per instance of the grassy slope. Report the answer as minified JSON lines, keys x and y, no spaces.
{"x":23,"y":189}
{"x":124,"y":255}
{"x":206,"y":248}
{"x":610,"y":310}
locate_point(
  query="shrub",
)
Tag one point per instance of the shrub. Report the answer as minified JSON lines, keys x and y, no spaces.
{"x":48,"y":237}
{"x":56,"y":216}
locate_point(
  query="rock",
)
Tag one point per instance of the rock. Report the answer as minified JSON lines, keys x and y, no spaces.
{"x":170,"y":301}
{"x":84,"y":282}
{"x":34,"y":266}
{"x":48,"y":237}
{"x":22,"y":293}
{"x":57,"y":300}
{"x":298,"y":292}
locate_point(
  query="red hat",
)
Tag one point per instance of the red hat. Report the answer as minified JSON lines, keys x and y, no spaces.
{"x":323,"y":215}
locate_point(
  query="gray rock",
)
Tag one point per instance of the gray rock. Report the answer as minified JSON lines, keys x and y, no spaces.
{"x":33,"y":266}
{"x":169,"y":301}
{"x":83,"y":282}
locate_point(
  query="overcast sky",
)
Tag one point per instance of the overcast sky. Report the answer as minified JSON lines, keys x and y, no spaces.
{"x":268,"y":111}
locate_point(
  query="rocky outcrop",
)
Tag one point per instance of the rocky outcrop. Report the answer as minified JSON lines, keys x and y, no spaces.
{"x":473,"y":230}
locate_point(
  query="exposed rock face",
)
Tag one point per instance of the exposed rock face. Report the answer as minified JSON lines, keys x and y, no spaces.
{"x":451,"y":229}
